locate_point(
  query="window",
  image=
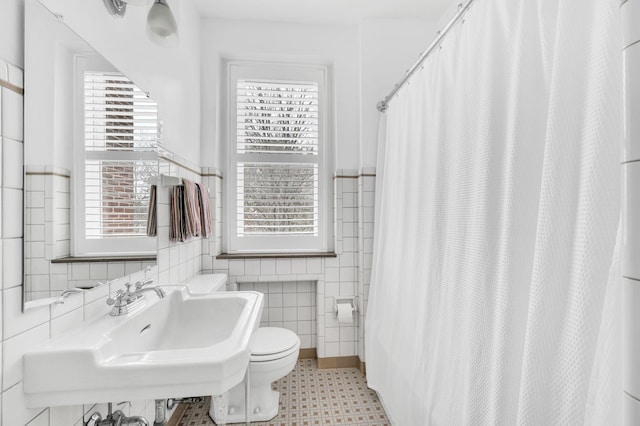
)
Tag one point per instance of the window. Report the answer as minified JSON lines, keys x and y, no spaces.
{"x":277,"y":189}
{"x":116,"y":158}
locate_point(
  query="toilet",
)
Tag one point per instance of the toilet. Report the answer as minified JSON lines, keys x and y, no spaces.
{"x":273,"y":356}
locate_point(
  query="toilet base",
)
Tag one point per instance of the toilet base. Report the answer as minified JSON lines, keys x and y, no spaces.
{"x":264,"y":405}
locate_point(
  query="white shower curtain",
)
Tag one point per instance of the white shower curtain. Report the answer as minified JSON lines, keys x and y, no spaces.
{"x":495,"y":286}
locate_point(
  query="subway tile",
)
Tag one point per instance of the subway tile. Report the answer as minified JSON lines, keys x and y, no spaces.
{"x":347,"y":348}
{"x":15,"y":75}
{"x":631,"y":57}
{"x":94,"y":310}
{"x":289,"y":299}
{"x":305,"y":286}
{"x":4,"y":73}
{"x":80,"y":271}
{"x":298,"y":266}
{"x":70,"y":303}
{"x":347,"y":334}
{"x":332,"y":289}
{"x":306,"y":342}
{"x":275,"y":314}
{"x":236,"y":267}
{"x":267,"y":266}
{"x":305,"y":313}
{"x":631,"y":336}
{"x":304,"y":299}
{"x":12,"y":213}
{"x":631,"y":211}
{"x":12,"y":163}
{"x":275,"y":300}
{"x":290,"y":287}
{"x":347,"y":274}
{"x":252,"y":267}
{"x":11,"y":262}
{"x":98,"y":271}
{"x":290,"y":325}
{"x":67,"y":322}
{"x":43,"y":419}
{"x":332,"y":334}
{"x":283,"y":266}
{"x":114,"y":270}
{"x":275,"y":287}
{"x":12,"y":113}
{"x":314,"y":265}
{"x":331,"y":349}
{"x":15,"y":321}
{"x":131,"y":267}
{"x":13,"y":350}
{"x":67,"y":415}
{"x":290,"y":313}
{"x":98,"y":292}
{"x":304,"y":327}
{"x":19,"y":414}
{"x":262,"y":287}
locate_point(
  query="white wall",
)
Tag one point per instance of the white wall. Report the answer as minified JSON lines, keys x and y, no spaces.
{"x":387,"y":49}
{"x":630,"y":12}
{"x":11,"y":32}
{"x":335,"y":46}
{"x":172,"y":75}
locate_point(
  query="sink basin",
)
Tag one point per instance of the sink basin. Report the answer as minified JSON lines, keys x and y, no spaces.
{"x":181,"y":345}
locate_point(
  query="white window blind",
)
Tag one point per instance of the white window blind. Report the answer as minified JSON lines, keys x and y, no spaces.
{"x":278,"y":160}
{"x":120,"y":140}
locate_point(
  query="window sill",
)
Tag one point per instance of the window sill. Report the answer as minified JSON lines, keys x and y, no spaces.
{"x":274,"y":255}
{"x":87,"y":259}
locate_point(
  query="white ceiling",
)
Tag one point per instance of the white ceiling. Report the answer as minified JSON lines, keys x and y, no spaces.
{"x":341,"y":11}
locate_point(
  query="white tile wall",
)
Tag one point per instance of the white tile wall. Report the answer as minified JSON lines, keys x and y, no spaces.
{"x":177,"y":262}
{"x":21,"y":330}
{"x":348,"y":274}
{"x":290,"y":305}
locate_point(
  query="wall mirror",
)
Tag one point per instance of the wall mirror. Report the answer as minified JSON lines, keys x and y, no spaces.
{"x":90,"y":156}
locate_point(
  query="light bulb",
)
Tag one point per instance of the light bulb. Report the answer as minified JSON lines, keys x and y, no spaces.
{"x":160,"y":20}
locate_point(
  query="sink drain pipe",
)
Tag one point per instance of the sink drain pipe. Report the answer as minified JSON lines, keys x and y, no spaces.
{"x":161,"y":413}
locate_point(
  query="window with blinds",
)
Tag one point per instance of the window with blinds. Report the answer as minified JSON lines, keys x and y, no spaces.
{"x":120,"y":141}
{"x":278,"y":157}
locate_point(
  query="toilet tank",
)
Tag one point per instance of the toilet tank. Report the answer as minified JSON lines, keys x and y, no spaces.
{"x":207,"y":283}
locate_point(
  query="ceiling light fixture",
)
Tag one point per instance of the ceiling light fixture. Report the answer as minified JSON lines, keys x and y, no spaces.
{"x":161,"y":24}
{"x":118,"y":8}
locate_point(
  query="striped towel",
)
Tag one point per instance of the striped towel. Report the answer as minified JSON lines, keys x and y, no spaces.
{"x":178,"y":228}
{"x":152,"y":216}
{"x":205,"y":210}
{"x":191,"y":208}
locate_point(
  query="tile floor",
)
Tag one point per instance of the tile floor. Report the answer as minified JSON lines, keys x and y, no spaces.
{"x":309,"y":396}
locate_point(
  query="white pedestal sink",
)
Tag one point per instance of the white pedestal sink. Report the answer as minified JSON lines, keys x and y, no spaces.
{"x":179,"y":346}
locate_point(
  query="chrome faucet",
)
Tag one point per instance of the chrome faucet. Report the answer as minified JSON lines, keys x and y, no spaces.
{"x":115,"y":418}
{"x":68,"y":293}
{"x":124,"y":301}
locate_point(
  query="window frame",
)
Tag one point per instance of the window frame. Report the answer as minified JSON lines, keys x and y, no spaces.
{"x":80,"y":244}
{"x":286,"y":73}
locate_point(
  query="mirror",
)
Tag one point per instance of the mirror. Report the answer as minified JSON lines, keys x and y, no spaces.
{"x":90,"y":156}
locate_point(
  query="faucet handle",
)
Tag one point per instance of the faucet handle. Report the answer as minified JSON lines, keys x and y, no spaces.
{"x":141,"y":284}
{"x":112,"y":300}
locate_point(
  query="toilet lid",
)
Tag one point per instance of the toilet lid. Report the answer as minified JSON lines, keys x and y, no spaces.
{"x":273,"y":341}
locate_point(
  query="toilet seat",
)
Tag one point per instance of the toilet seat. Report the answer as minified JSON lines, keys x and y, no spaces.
{"x":273,"y":343}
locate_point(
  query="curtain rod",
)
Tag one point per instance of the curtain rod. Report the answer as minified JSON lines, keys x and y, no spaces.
{"x":462,"y":8}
